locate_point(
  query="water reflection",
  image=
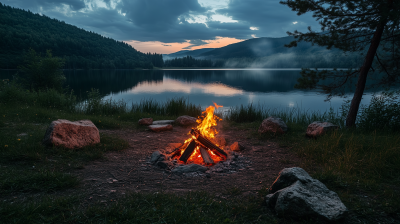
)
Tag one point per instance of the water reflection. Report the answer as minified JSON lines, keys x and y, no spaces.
{"x":273,"y":88}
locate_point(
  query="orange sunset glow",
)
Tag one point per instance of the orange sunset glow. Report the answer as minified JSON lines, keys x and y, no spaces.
{"x":167,"y":48}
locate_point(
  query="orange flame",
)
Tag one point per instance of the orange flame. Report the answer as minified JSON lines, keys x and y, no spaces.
{"x":205,"y":127}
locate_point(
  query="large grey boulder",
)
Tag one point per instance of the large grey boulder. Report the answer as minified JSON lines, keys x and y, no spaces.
{"x":295,"y":194}
{"x":318,"y":128}
{"x":71,"y":134}
{"x":186,"y":120}
{"x":190,"y":168}
{"x":273,"y":124}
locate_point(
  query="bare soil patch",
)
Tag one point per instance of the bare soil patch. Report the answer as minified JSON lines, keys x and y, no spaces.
{"x":129,"y":170}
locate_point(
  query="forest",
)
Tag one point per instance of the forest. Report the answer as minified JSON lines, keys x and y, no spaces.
{"x":189,"y":61}
{"x":21,"y":30}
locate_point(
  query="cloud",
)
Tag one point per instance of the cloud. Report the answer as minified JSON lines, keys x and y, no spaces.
{"x":156,"y":15}
{"x":173,"y":21}
{"x":271,"y":18}
{"x":194,"y":43}
{"x":46,"y":4}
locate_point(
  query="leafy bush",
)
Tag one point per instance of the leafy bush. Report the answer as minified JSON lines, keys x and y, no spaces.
{"x":14,"y":94}
{"x":383,"y":113}
{"x":41,"y":73}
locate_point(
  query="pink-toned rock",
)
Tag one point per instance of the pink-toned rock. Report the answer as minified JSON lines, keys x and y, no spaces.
{"x":159,"y":128}
{"x":186,"y":120}
{"x":219,"y":140}
{"x":71,"y":134}
{"x":236,"y":147}
{"x":273,"y":124}
{"x":318,"y":128}
{"x":146,"y":121}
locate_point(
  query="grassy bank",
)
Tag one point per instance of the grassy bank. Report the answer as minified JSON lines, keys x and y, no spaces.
{"x":362,"y":165}
{"x":36,"y":184}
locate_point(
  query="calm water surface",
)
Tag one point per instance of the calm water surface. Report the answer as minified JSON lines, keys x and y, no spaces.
{"x":269,"y":87}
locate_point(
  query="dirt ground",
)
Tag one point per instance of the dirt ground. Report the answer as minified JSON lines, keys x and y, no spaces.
{"x":129,"y":170}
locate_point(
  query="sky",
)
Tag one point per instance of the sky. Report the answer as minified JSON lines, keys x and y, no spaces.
{"x":168,"y":26}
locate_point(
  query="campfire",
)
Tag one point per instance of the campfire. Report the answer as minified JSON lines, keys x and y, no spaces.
{"x":200,"y":147}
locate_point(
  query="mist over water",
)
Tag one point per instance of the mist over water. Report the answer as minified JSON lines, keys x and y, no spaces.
{"x":228,"y":87}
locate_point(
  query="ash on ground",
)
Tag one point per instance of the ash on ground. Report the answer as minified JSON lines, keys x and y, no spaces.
{"x":235,"y":162}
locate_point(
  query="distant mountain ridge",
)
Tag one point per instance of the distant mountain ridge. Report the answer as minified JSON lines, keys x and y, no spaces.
{"x":253,"y":48}
{"x":267,"y":52}
{"x":184,"y":53}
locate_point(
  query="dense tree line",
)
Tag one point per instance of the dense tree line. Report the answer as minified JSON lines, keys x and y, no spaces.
{"x":156,"y":59}
{"x":22,"y":30}
{"x":189,"y":61}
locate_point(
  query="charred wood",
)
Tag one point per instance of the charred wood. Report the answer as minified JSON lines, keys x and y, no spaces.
{"x":206,"y":157}
{"x":208,"y":144}
{"x":188,"y":151}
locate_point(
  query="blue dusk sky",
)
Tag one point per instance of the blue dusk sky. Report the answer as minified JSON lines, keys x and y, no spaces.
{"x":167,"y":26}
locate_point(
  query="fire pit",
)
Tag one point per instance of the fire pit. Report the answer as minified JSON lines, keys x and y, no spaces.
{"x":199,"y":148}
{"x":203,"y":151}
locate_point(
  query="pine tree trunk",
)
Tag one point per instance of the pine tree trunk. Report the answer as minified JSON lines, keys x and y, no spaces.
{"x":362,"y":78}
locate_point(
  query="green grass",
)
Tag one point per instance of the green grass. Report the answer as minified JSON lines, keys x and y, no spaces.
{"x":196,"y":207}
{"x":28,"y":166}
{"x":361,"y":165}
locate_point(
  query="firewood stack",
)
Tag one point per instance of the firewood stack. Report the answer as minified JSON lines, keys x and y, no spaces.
{"x":204,"y":145}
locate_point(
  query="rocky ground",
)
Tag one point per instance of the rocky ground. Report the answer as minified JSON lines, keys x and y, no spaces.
{"x":130,"y":170}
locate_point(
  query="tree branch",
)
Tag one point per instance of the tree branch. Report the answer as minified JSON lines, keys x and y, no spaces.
{"x":383,"y":66}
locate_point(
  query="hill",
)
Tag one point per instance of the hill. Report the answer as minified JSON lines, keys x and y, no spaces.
{"x":184,"y":53}
{"x":21,"y":30}
{"x":269,"y":52}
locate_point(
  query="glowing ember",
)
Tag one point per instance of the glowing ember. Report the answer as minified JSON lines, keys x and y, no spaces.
{"x":207,"y":122}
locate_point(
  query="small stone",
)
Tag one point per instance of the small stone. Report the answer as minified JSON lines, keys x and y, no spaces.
{"x":146,"y":121}
{"x":186,"y":120}
{"x":318,"y":128}
{"x":156,"y":156}
{"x":114,"y":180}
{"x":164,"y":164}
{"x":236,"y":147}
{"x":190,"y":168}
{"x":159,"y":128}
{"x":273,"y":124}
{"x":162,"y":122}
{"x":219,"y":140}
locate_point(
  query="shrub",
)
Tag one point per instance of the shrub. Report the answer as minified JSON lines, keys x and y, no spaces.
{"x":41,"y":73}
{"x":383,"y":113}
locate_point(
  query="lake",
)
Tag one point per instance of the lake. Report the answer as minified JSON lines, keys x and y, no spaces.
{"x":227,"y":87}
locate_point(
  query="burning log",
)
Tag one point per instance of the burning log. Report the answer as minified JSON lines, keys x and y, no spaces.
{"x":206,"y":157}
{"x":207,"y":143}
{"x":175,"y":152}
{"x":188,"y":151}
